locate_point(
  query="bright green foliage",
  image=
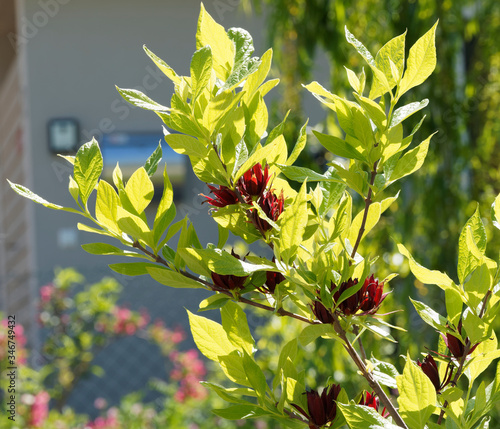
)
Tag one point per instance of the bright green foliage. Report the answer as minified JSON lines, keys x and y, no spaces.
{"x":319,"y":274}
{"x":417,"y":396}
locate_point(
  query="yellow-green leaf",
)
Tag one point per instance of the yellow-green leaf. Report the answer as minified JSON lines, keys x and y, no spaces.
{"x":482,"y":357}
{"x":274,"y":153}
{"x":471,"y":245}
{"x":319,"y":92}
{"x":311,"y":332}
{"x":210,"y":337}
{"x":255,"y":375}
{"x":372,"y":218}
{"x":234,"y":322}
{"x":374,"y":111}
{"x":212,"y":34}
{"x":201,"y":69}
{"x":257,"y":78}
{"x":293,"y":223}
{"x":495,"y":212}
{"x":163,"y":66}
{"x":411,"y":161}
{"x":417,"y":396}
{"x":139,"y":190}
{"x":363,"y":417}
{"x":426,"y":276}
{"x":132,"y":225}
{"x":186,"y":145}
{"x":88,"y":168}
{"x":353,"y":80}
{"x":106,"y":205}
{"x":421,"y":61}
{"x":166,"y":211}
{"x":393,"y":51}
{"x":26,"y":193}
{"x":139,"y":99}
{"x":172,"y":278}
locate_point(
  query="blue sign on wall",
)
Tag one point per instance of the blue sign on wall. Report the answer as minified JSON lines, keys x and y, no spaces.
{"x":132,"y":149}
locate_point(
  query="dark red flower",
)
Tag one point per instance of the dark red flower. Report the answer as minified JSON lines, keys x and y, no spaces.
{"x":372,"y":295}
{"x":321,"y":409}
{"x":321,"y":312}
{"x":253,"y":183}
{"x":367,"y":299}
{"x":273,"y":279}
{"x":223,"y":196}
{"x":350,"y":305}
{"x":457,"y":348}
{"x":430,"y":369}
{"x":371,"y":400}
{"x":272,"y":206}
{"x":228,"y":281}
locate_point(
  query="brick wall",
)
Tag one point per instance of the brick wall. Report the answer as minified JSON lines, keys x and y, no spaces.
{"x":16,"y":225}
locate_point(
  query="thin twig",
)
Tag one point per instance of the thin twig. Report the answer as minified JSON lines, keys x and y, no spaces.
{"x":280,"y":311}
{"x":368,"y":201}
{"x":355,"y":330}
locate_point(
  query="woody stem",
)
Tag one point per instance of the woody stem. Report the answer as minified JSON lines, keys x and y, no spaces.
{"x":467,"y":348}
{"x":367,"y":375}
{"x":279,"y":311}
{"x":355,"y":330}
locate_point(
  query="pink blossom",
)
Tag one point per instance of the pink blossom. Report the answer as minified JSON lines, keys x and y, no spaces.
{"x":46,"y":293}
{"x":39,"y":409}
{"x":178,"y":336}
{"x":108,"y":422}
{"x":100,"y":403}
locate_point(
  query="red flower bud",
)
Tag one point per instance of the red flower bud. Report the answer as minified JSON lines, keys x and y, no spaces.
{"x":321,"y":409}
{"x":367,"y":299}
{"x":273,"y":279}
{"x":350,"y":305}
{"x":253,"y":183}
{"x":272,"y":206}
{"x":457,"y":348}
{"x":223,"y":196}
{"x":321,"y":312}
{"x":371,"y":296}
{"x":228,"y":281}
{"x":371,"y":400}
{"x":430,"y":369}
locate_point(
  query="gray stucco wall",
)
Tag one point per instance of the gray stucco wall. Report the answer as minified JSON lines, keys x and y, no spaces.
{"x":74,"y":63}
{"x":75,"y":52}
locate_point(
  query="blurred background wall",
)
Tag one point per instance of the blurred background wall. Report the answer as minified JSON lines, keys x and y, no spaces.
{"x":60,"y":59}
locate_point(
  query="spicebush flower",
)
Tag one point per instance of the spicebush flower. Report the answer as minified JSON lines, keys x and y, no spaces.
{"x":273,"y":279}
{"x":367,"y":299}
{"x":253,"y":183}
{"x":229,"y":281}
{"x":350,"y":305}
{"x":371,"y":400}
{"x":430,"y":369}
{"x":321,"y":312}
{"x":272,"y":206}
{"x":223,"y":196}
{"x":457,"y":348}
{"x":321,"y":409}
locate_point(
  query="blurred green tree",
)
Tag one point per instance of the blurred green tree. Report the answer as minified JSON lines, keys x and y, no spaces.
{"x":462,"y":164}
